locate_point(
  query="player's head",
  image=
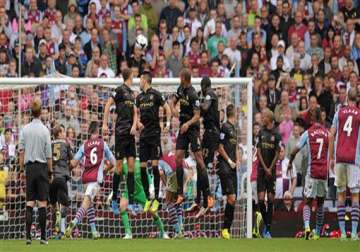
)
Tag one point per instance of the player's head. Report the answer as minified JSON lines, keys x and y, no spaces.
{"x":145,"y":80}
{"x":59,"y":131}
{"x":36,"y":107}
{"x":316,"y":115}
{"x":230,"y":111}
{"x":93,"y":128}
{"x":127,"y":75}
{"x":267,"y":116}
{"x":185,"y":78}
{"x":352,"y":95}
{"x":205,"y":84}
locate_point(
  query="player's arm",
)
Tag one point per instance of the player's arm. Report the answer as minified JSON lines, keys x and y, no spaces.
{"x":108,"y":104}
{"x":135,"y":121}
{"x":221,"y":148}
{"x":78,"y":156}
{"x":109,"y":156}
{"x":168,"y":115}
{"x":48,"y":153}
{"x":21,"y":152}
{"x":302,"y":141}
{"x":261,"y":160}
{"x":333,"y":132}
{"x":174,"y":101}
{"x":207,"y":103}
{"x":293,"y":179}
{"x":194,"y":99}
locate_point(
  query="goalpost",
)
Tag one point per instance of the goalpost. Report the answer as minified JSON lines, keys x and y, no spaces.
{"x":78,"y":101}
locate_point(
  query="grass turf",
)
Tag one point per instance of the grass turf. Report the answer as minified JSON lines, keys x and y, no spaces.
{"x":197,"y":245}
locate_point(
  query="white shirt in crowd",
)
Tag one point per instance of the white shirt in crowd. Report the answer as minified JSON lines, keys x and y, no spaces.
{"x":108,"y":72}
{"x":283,"y":178}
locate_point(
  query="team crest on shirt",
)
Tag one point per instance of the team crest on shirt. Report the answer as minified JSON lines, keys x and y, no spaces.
{"x":222,"y":136}
{"x":272,"y":138}
{"x":151,"y":97}
{"x":197,"y":103}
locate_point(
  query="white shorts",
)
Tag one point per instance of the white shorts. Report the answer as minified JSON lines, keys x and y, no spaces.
{"x":91,"y":189}
{"x":347,"y":175}
{"x":254,"y":191}
{"x":315,"y":188}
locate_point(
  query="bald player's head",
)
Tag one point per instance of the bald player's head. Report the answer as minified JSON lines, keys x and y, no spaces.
{"x":352,"y":95}
{"x":36,"y":107}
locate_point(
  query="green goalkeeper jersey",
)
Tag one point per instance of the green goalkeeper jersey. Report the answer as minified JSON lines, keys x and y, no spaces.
{"x":139,"y":194}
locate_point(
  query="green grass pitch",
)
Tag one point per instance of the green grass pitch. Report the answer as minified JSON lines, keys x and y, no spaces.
{"x":196,"y":245}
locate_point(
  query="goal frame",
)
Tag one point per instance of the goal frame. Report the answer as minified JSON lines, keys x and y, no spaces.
{"x":19,"y":82}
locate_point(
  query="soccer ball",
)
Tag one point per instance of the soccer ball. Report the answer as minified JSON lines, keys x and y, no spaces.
{"x":141,"y":42}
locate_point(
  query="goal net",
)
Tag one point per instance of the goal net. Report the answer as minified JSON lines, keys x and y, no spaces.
{"x":76,"y":102}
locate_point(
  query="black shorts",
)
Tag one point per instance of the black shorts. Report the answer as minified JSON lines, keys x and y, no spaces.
{"x":59,"y":192}
{"x":228,"y":178}
{"x":124,"y":147}
{"x":210,"y":145}
{"x":192,"y":136}
{"x":37,"y":181}
{"x":150,"y":148}
{"x":264,"y":183}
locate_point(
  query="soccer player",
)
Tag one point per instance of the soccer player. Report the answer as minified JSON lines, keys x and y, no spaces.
{"x":148,"y":103}
{"x":317,"y":139}
{"x":210,"y":143}
{"x":125,"y":129}
{"x":62,"y":154}
{"x":141,"y":198}
{"x":167,"y":169}
{"x":268,"y":153}
{"x":189,"y":133}
{"x":345,"y":129}
{"x":228,"y":158}
{"x":93,"y":153}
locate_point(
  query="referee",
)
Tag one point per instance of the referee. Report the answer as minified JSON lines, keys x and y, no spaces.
{"x":35,"y":154}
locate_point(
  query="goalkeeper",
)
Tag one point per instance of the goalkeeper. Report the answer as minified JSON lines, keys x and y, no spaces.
{"x":139,"y":197}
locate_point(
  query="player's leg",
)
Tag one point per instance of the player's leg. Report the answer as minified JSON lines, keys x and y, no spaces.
{"x":42,"y":187}
{"x":194,"y":139}
{"x":144,"y":155}
{"x":319,"y":217}
{"x":125,"y":218}
{"x":82,"y":210}
{"x":130,"y":180}
{"x":269,"y":212}
{"x":63,"y":199}
{"x":257,"y":215}
{"x":307,"y":216}
{"x":119,"y":155}
{"x":181,"y":145}
{"x":155,"y":155}
{"x":30,"y":202}
{"x":156,"y":174}
{"x":261,"y":198}
{"x":354,"y":185}
{"x":341,"y":183}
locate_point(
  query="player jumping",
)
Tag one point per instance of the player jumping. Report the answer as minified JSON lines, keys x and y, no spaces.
{"x":125,"y":130}
{"x":139,"y":197}
{"x":94,"y":151}
{"x":345,"y":129}
{"x":189,"y":133}
{"x":317,"y":139}
{"x":62,"y":154}
{"x":228,"y":159}
{"x":148,"y":102}
{"x":210,"y":143}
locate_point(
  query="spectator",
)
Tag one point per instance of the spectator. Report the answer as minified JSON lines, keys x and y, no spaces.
{"x":69,"y":120}
{"x":31,"y":66}
{"x":104,"y":69}
{"x":215,"y":39}
{"x":92,"y":44}
{"x":283,"y":110}
{"x":173,"y":63}
{"x":148,"y":10}
{"x":136,"y":12}
{"x":170,"y":14}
